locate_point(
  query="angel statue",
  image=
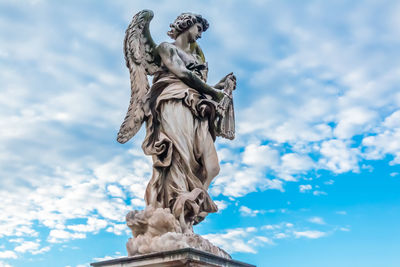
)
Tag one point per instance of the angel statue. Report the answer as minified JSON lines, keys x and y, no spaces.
{"x":183,"y":116}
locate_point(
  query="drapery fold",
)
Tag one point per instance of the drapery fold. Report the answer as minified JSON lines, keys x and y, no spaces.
{"x":180,"y":138}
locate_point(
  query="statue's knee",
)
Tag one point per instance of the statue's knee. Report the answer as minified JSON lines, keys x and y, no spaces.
{"x":215,"y":170}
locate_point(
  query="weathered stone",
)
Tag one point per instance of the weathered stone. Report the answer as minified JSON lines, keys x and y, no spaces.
{"x":187,"y":257}
{"x":156,"y":230}
{"x":183,"y":116}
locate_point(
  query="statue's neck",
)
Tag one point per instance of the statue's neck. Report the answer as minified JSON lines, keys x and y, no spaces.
{"x":182,"y":41}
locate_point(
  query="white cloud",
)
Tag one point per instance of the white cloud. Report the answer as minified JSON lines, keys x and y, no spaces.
{"x":270,"y":227}
{"x":245,"y":211}
{"x":317,"y":220}
{"x":224,"y":154}
{"x":250,"y":239}
{"x":280,"y":235}
{"x":261,"y":240}
{"x":305,"y":187}
{"x":238,"y":181}
{"x":354,"y":120}
{"x":118,"y":229}
{"x":293,"y":163}
{"x":287,"y":230}
{"x":115,"y":256}
{"x":8,"y":254}
{"x":234,"y":240}
{"x":115,"y":191}
{"x":309,"y":234}
{"x":386,"y":140}
{"x":60,"y":199}
{"x":69,"y":105}
{"x":345,"y":96}
{"x":338,"y":157}
{"x":221,"y":204}
{"x":4,"y":264}
{"x":32,"y":247}
{"x":319,"y":193}
{"x":58,"y":236}
{"x":93,"y":225}
{"x":64,"y":96}
{"x":42,"y":250}
{"x":329,"y":182}
{"x":260,"y":156}
{"x":27,"y":246}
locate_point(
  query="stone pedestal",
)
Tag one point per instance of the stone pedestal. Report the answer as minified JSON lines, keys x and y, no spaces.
{"x":182,"y":257}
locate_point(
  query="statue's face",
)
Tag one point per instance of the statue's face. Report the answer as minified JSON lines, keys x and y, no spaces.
{"x":195,"y":32}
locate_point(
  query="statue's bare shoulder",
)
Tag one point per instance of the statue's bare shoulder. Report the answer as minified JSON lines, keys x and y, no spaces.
{"x":166,"y":47}
{"x":171,"y":58}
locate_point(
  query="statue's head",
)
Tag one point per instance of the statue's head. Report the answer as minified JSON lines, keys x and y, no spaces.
{"x":184,"y":22}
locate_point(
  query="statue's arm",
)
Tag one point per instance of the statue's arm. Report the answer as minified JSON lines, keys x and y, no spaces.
{"x":170,"y":58}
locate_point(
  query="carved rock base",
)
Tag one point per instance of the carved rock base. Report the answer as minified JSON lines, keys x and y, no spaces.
{"x":187,"y":257}
{"x":157,"y":230}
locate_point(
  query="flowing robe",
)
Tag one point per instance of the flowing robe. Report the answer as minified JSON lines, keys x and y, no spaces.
{"x":180,"y":138}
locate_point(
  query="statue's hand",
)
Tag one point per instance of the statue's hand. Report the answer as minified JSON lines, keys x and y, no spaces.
{"x":218,"y":95}
{"x":221,"y":84}
{"x":228,"y":85}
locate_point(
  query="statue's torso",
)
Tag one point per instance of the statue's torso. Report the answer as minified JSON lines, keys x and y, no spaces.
{"x":192,"y":61}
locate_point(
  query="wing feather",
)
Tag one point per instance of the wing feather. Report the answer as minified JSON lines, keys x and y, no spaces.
{"x":142,"y":60}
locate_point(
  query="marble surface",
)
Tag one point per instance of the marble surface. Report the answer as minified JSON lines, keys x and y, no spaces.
{"x":183,"y":116}
{"x":156,"y":230}
{"x":181,"y":257}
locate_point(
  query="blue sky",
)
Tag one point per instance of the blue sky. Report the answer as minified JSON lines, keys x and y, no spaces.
{"x":312,"y":179}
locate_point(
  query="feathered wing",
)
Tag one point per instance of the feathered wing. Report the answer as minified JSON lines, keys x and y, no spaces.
{"x":142,"y":60}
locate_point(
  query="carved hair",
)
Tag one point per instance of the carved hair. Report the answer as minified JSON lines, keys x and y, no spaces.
{"x":184,"y":21}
